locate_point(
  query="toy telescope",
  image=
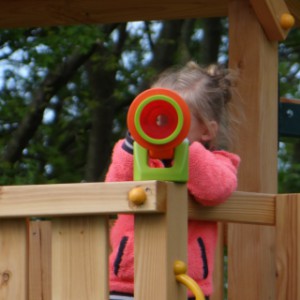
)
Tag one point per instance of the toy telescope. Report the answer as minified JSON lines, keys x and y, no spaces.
{"x":159,"y":121}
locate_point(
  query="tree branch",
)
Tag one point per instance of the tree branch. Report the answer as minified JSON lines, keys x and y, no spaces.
{"x":53,"y":82}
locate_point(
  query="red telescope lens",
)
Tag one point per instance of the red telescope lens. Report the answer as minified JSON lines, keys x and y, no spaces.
{"x":159,"y":120}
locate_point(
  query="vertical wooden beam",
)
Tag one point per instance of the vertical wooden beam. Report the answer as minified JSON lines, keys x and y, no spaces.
{"x":13,"y":258}
{"x":288,"y":246}
{"x":251,"y":248}
{"x":80,"y":258}
{"x":40,"y":260}
{"x":159,"y":241}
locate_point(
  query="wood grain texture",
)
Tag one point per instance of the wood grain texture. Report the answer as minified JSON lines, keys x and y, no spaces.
{"x":159,"y":241}
{"x":288,"y":246}
{"x":219,"y":276}
{"x":20,"y":13}
{"x":241,"y":207}
{"x":13,"y":262}
{"x":28,"y":13}
{"x":40,"y":237}
{"x":80,"y":258}
{"x":294,"y":7}
{"x":112,"y":198}
{"x":268,"y":13}
{"x":83,"y":198}
{"x":251,"y":268}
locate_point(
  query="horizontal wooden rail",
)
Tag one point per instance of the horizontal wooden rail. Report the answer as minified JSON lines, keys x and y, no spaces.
{"x":78,"y":199}
{"x":28,"y":13}
{"x":112,"y":198}
{"x":241,"y":207}
{"x":289,"y":100}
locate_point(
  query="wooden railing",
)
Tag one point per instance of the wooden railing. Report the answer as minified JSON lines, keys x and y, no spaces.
{"x":66,"y":256}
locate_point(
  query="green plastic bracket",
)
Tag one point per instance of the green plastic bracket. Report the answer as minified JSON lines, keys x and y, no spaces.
{"x":178,"y":172}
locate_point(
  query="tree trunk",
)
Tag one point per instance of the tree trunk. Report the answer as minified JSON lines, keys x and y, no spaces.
{"x":102,"y":73}
{"x":212,"y":40}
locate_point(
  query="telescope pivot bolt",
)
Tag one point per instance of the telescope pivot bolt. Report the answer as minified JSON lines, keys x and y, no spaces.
{"x":137,"y":196}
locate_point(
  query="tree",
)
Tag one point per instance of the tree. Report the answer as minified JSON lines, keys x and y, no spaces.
{"x":289,"y":147}
{"x":65,"y":90}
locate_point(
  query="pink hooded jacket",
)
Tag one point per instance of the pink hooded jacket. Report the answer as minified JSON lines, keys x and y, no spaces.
{"x":212,"y":179}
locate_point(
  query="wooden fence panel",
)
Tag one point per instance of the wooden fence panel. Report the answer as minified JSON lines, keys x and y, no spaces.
{"x":13,"y":262}
{"x":80,"y":258}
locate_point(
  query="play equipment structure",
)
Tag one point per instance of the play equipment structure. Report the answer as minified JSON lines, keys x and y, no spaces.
{"x":66,"y":257}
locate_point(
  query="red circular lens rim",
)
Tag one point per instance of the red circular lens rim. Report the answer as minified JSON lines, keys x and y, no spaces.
{"x":185,"y":128}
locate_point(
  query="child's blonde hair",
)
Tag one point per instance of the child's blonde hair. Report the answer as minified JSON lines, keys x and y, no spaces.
{"x":207,"y":92}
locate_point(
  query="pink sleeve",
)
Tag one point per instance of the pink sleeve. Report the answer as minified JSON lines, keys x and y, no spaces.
{"x":212,"y":174}
{"x":121,"y":167}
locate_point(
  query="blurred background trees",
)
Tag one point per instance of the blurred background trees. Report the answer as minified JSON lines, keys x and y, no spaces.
{"x":65,"y":91}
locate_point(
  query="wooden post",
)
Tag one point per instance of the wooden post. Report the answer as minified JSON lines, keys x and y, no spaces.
{"x":288,"y":246}
{"x":161,"y":239}
{"x":80,"y":258}
{"x":251,"y":248}
{"x":13,"y":257}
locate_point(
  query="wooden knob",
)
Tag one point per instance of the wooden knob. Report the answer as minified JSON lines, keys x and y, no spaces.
{"x":287,"y":21}
{"x":137,"y":196}
{"x":179,"y":267}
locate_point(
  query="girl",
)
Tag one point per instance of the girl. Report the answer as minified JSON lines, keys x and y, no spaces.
{"x":212,"y":173}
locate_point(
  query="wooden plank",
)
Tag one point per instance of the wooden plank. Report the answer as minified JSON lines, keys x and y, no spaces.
{"x":40,"y":260}
{"x":80,"y":258}
{"x":251,"y":268}
{"x":288,"y":246}
{"x":269,"y":13}
{"x":112,"y":198}
{"x":83,"y":198}
{"x":288,"y":100}
{"x":294,"y":7}
{"x":27,"y":13}
{"x":219,"y":276}
{"x":241,"y":207}
{"x":159,"y":241}
{"x":13,"y":253}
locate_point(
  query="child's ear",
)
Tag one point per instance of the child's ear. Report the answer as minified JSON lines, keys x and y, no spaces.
{"x":210,"y":131}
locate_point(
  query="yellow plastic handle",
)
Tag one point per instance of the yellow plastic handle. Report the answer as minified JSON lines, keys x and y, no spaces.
{"x":190,"y":283}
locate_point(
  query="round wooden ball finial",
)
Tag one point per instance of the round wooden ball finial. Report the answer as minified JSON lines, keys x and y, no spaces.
{"x":137,"y":196}
{"x":179,"y":267}
{"x":287,"y":21}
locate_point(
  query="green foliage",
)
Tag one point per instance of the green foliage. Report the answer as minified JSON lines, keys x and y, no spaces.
{"x":58,"y":150}
{"x":123,"y":60}
{"x":289,"y":76}
{"x":289,"y":166}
